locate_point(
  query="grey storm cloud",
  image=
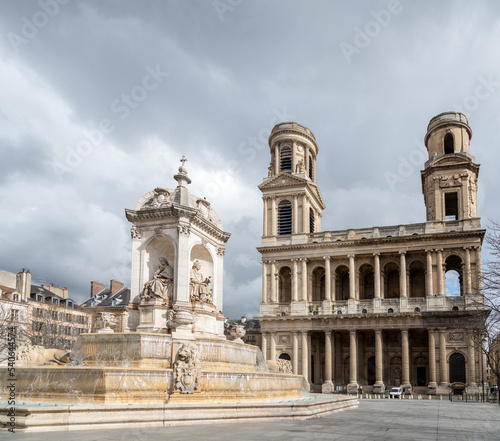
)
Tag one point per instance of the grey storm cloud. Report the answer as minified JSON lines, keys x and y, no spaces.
{"x":100,"y":99}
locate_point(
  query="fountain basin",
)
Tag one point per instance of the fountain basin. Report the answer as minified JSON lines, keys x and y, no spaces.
{"x":85,"y":417}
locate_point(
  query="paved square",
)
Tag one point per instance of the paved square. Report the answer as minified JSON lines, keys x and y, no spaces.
{"x":373,"y":420}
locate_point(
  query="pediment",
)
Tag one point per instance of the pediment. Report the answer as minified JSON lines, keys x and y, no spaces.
{"x":283,"y":180}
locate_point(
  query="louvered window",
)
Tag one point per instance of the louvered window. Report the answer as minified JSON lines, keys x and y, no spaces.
{"x":284,"y":218}
{"x":286,"y":159}
{"x":311,"y":220}
{"x":311,"y":171}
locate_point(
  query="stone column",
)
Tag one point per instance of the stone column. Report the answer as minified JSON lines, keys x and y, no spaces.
{"x":471,"y":365}
{"x":295,"y":360}
{"x":377,"y":274}
{"x":432,"y":361}
{"x":338,"y":359}
{"x":304,"y":279}
{"x":443,"y":365}
{"x":478,"y":270}
{"x":402,"y":274}
{"x":264,"y":345}
{"x":273,"y":281}
{"x":379,"y":386}
{"x":305,"y":356}
{"x":295,"y":282}
{"x":467,"y":272}
{"x":405,"y":352}
{"x":428,"y":275}
{"x":305,"y":215}
{"x":264,"y":281}
{"x":264,"y":227}
{"x":328,"y":279}
{"x":274,"y":216}
{"x":295,"y":214}
{"x":352,"y":387}
{"x":272,"y":355}
{"x":306,"y":159}
{"x":309,"y":351}
{"x":352,"y":278}
{"x":440,"y":273}
{"x":277,"y":159}
{"x":328,"y":384}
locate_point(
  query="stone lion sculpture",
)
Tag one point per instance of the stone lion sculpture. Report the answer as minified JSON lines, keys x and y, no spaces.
{"x":39,"y":356}
{"x":187,"y":368}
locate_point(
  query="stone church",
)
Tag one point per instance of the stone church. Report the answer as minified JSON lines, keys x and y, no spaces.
{"x":369,"y":307}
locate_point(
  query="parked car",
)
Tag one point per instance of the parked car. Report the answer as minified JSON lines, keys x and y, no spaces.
{"x":396,"y":392}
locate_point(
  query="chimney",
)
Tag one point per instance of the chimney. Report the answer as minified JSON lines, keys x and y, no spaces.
{"x":23,"y":283}
{"x":115,"y":286}
{"x":96,"y":288}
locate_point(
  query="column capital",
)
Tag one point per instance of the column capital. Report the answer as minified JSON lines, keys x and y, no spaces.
{"x":326,"y":257}
{"x":351,"y":256}
{"x":477,"y":247}
{"x":467,"y":248}
{"x":376,"y":253}
{"x":402,"y":252}
{"x":303,"y":259}
{"x":429,"y":251}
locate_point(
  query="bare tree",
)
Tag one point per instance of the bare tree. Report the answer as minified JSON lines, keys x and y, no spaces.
{"x":490,"y":279}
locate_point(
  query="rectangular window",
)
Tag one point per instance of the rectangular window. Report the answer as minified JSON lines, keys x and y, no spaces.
{"x":451,"y":206}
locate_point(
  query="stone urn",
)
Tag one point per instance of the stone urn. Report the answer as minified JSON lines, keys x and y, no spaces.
{"x":237,"y":332}
{"x":105,"y":322}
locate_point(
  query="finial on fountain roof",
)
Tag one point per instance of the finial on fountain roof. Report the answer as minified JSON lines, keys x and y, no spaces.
{"x":182,"y":168}
{"x":183,"y":179}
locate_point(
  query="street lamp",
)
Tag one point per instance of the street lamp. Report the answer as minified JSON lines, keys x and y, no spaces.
{"x":482,"y":367}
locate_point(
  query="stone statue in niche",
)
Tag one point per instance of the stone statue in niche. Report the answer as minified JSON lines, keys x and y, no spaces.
{"x":270,"y":171}
{"x":187,"y":368}
{"x":300,"y":167}
{"x":161,"y":286}
{"x":198,"y":285}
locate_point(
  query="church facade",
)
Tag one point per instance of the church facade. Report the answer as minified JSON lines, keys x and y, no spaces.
{"x":369,"y":307}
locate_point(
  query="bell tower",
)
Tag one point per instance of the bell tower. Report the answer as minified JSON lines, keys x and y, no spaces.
{"x":449,"y":180}
{"x":292,"y":200}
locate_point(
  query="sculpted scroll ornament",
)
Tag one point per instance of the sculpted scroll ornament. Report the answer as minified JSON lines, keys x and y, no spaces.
{"x":455,"y":337}
{"x":135,"y":233}
{"x":187,"y":368}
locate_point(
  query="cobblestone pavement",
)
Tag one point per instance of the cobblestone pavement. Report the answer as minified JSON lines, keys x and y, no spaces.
{"x":373,"y":420}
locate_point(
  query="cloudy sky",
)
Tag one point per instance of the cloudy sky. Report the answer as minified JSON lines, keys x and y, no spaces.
{"x":100,"y":99}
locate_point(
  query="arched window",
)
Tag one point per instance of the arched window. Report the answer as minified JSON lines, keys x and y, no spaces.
{"x":391,"y":285}
{"x":286,"y":159}
{"x":285,"y":285}
{"x":457,"y":368}
{"x":449,"y":144}
{"x":417,"y":279}
{"x":311,"y":171}
{"x":284,"y":218}
{"x":318,"y":278}
{"x":453,"y":276}
{"x":285,"y":356}
{"x":342,"y":283}
{"x":367,"y":284}
{"x":311,"y":220}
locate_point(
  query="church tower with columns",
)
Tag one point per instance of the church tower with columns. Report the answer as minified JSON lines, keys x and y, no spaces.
{"x":381,"y":306}
{"x":449,"y":180}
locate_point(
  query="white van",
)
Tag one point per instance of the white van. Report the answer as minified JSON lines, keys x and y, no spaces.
{"x":396,"y":392}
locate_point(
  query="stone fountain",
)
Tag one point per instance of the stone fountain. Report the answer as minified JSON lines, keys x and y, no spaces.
{"x":177,"y":366}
